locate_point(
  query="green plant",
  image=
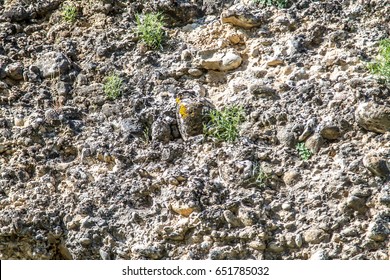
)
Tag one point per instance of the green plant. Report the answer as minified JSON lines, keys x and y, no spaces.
{"x":278,"y":3}
{"x":381,"y":66}
{"x":261,"y":177}
{"x":224,"y":124}
{"x":303,"y":151}
{"x":150,"y":29}
{"x":113,"y":86}
{"x":69,"y":13}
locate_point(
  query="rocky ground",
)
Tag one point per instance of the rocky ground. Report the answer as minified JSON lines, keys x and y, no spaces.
{"x":86,"y":177}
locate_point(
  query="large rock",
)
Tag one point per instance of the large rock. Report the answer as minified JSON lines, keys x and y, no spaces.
{"x":314,"y":143}
{"x":15,"y":71}
{"x":319,"y":255}
{"x":287,"y":135}
{"x":20,"y":10}
{"x":329,"y":130}
{"x":240,"y":15}
{"x":373,"y":117}
{"x":161,"y":131}
{"x":262,"y":91}
{"x":219,"y":60}
{"x":191,"y":114}
{"x":177,"y":12}
{"x":53,"y":64}
{"x":378,"y":166}
{"x":315,"y":235}
{"x":152,"y":251}
{"x":182,"y":208}
{"x":215,"y":6}
{"x":379,"y":230}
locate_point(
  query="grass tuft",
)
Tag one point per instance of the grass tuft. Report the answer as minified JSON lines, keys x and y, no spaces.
{"x":224,"y":124}
{"x":69,"y":13}
{"x":150,"y":29}
{"x":381,"y":66}
{"x":260,"y":176}
{"x":303,"y":151}
{"x":113,"y":86}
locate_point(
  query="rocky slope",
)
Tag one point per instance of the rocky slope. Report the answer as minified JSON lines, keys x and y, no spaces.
{"x":86,"y":177}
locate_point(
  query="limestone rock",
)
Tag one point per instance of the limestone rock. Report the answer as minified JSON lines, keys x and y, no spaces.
{"x":356,"y":203}
{"x":161,"y":131}
{"x":379,"y":229}
{"x":286,"y":135}
{"x":52,"y":116}
{"x":330,"y":132}
{"x":152,"y":251}
{"x":315,"y":235}
{"x":262,"y":91}
{"x":195,"y":72}
{"x":257,"y":245}
{"x":319,"y":255}
{"x":291,"y":177}
{"x":16,"y":13}
{"x":232,"y":219}
{"x":182,"y":208}
{"x":373,"y":117}
{"x":314,"y":143}
{"x":275,"y":62}
{"x":30,"y":10}
{"x":53,"y":64}
{"x":220,"y":60}
{"x":191,"y":114}
{"x":241,"y":16}
{"x":15,"y":71}
{"x":275,"y":247}
{"x":378,"y":166}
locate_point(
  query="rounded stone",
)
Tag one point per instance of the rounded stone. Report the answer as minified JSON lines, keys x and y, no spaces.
{"x":373,"y":117}
{"x":290,"y":178}
{"x":15,"y":71}
{"x":195,"y":72}
{"x":376,"y":165}
{"x":330,"y":132}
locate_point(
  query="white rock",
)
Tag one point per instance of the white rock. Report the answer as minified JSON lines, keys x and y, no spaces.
{"x":220,"y":60}
{"x":319,"y":255}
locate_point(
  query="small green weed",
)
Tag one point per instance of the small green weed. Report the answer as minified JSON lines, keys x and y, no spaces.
{"x":278,"y":3}
{"x":258,"y":177}
{"x":69,"y":13}
{"x":150,"y":29}
{"x":113,"y":86}
{"x":381,"y":66}
{"x":303,"y":151}
{"x":224,"y":124}
{"x":261,"y":178}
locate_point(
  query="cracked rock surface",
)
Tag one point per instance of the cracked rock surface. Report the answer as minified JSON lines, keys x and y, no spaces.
{"x":83,"y":176}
